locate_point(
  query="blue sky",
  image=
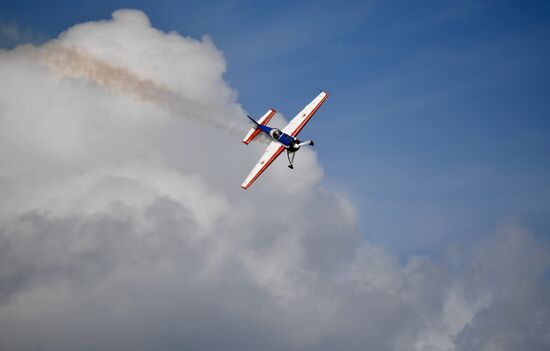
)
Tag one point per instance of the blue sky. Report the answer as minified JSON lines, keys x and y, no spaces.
{"x":438,"y":121}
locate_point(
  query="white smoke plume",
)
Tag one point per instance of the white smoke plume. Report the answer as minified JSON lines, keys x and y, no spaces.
{"x":75,"y":62}
{"x":121,"y":228}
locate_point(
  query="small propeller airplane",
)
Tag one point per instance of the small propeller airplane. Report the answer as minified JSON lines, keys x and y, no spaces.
{"x":281,"y":139}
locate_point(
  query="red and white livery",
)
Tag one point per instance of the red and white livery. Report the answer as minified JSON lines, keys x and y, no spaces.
{"x":285,"y":139}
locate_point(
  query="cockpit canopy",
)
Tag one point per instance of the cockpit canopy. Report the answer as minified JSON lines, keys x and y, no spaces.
{"x":276,"y":133}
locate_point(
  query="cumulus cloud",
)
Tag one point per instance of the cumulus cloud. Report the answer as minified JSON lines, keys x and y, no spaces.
{"x":123,"y":224}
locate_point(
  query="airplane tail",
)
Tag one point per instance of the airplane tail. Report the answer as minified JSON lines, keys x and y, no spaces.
{"x":252,"y":133}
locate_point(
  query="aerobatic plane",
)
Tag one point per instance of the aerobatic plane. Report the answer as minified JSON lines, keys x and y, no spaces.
{"x":285,"y":139}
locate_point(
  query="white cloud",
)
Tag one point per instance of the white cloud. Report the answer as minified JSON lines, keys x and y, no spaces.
{"x":123,"y":224}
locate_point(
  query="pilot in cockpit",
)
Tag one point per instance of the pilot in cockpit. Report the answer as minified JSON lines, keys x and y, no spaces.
{"x":276,"y":133}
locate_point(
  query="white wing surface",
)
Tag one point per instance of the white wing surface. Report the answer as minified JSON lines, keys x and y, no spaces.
{"x":299,"y":121}
{"x":271,"y":153}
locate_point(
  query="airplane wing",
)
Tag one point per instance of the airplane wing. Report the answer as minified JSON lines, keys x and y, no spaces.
{"x":299,"y":121}
{"x":271,"y":153}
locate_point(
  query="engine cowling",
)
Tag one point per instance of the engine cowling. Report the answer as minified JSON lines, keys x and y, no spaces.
{"x":294,"y":145}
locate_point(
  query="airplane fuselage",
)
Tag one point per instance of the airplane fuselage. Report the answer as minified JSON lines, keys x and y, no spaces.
{"x":288,"y":141}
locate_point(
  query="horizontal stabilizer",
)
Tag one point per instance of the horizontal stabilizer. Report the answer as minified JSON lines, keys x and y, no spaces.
{"x":252,"y":133}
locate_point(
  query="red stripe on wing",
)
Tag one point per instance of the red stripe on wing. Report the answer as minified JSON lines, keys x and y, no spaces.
{"x":299,"y":128}
{"x":275,"y":155}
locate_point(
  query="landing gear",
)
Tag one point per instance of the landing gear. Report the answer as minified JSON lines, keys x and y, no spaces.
{"x":290,"y":159}
{"x":295,"y":146}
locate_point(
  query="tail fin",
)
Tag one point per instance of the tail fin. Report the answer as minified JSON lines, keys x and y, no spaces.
{"x":252,"y":133}
{"x":253,"y":120}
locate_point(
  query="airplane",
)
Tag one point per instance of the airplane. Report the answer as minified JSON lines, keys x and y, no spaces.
{"x":285,"y":139}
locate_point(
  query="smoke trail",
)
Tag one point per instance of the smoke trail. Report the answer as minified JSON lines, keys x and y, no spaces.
{"x":75,"y":62}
